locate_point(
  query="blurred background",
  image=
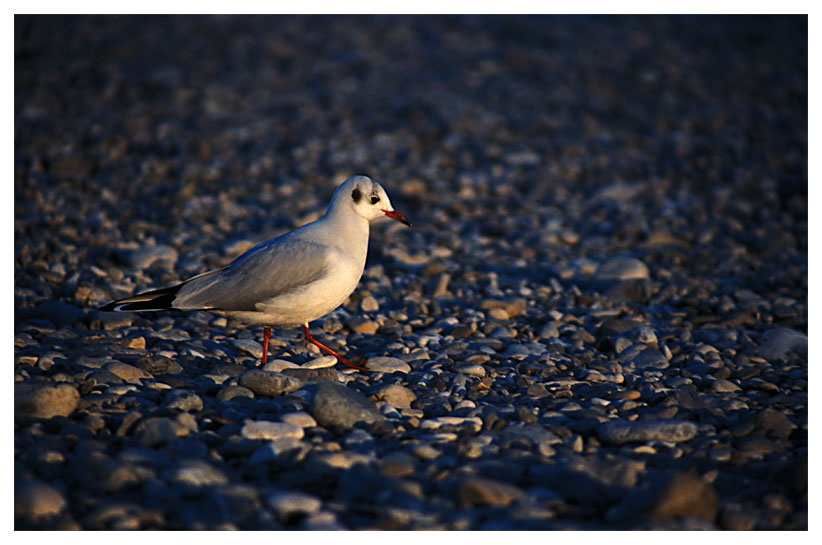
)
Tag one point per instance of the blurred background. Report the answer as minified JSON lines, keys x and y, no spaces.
{"x":510,"y":141}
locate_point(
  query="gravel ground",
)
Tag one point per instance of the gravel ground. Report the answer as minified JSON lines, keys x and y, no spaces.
{"x":598,"y":320}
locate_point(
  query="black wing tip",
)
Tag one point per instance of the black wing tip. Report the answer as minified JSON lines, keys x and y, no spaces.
{"x":162,"y":299}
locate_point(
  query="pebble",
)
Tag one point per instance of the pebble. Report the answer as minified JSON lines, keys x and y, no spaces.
{"x":227,"y":393}
{"x":618,"y":432}
{"x":668,"y":495}
{"x":145,"y":256}
{"x":58,"y":313}
{"x":315,"y":375}
{"x":773,"y":422}
{"x":274,"y":449}
{"x":470,"y":424}
{"x":197,"y":473}
{"x":650,"y":358}
{"x":684,"y":495}
{"x":369,"y":304}
{"x":36,"y":499}
{"x":622,"y":268}
{"x":397,"y":464}
{"x":476,"y":491}
{"x":724,"y":386}
{"x":268,"y":383}
{"x":299,"y":418}
{"x":277,"y":366}
{"x":183,"y":400}
{"x":368,"y":327}
{"x":44,"y":400}
{"x":340,"y":408}
{"x":248,"y":346}
{"x":127,"y":372}
{"x":397,"y":395}
{"x":426,"y":452}
{"x":471,"y":369}
{"x":781,"y":342}
{"x":734,"y":517}
{"x":342,"y":460}
{"x":387,"y":365}
{"x":271,"y":430}
{"x":288,"y":504}
{"x":158,"y":431}
{"x":320,"y":363}
{"x":159,"y":365}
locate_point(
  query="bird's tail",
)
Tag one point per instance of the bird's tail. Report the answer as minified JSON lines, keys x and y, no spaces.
{"x":161,"y":299}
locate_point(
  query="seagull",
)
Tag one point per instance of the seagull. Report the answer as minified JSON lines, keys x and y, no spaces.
{"x":288,"y":281}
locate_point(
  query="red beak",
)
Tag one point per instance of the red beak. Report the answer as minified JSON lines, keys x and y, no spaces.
{"x":394,"y":215}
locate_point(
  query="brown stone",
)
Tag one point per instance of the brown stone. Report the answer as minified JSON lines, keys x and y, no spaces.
{"x":684,"y":495}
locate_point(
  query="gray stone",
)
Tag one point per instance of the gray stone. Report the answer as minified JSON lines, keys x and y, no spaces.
{"x":325,"y":374}
{"x":299,"y":418}
{"x":782,"y":342}
{"x":616,"y":326}
{"x":271,"y":430}
{"x":273,"y":449}
{"x":159,"y":365}
{"x":198,"y":473}
{"x":337,"y":407}
{"x":650,"y":358}
{"x":667,"y":495}
{"x":268,"y":383}
{"x":145,"y":256}
{"x":101,"y":376}
{"x":183,"y":400}
{"x":724,"y":386}
{"x":127,"y":372}
{"x":482,"y":492}
{"x":736,"y":517}
{"x":114,"y":515}
{"x":36,"y":499}
{"x":387,"y":365}
{"x":397,"y":395}
{"x":343,"y":459}
{"x":548,"y":331}
{"x":774,"y":422}
{"x":279,"y":365}
{"x":227,"y":393}
{"x":57,"y":312}
{"x":532,"y":433}
{"x":249,"y":347}
{"x":622,"y":268}
{"x":470,"y":369}
{"x":322,"y":362}
{"x":369,"y":304}
{"x":44,"y":400}
{"x":635,"y":290}
{"x":157,"y":431}
{"x":618,"y":432}
{"x":642,"y":334}
{"x":288,"y":504}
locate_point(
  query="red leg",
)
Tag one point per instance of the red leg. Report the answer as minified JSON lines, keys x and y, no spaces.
{"x":324,"y":348}
{"x":266,"y":335}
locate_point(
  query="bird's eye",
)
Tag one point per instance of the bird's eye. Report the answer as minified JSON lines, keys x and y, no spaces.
{"x":356,"y":195}
{"x":375,"y":199}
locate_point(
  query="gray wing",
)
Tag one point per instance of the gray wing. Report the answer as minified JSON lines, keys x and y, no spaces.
{"x":270,"y":269}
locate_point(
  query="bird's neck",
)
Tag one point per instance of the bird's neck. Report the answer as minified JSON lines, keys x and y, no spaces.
{"x":347,"y":231}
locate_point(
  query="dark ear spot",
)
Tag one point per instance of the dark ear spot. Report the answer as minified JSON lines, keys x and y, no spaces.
{"x":356,"y":195}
